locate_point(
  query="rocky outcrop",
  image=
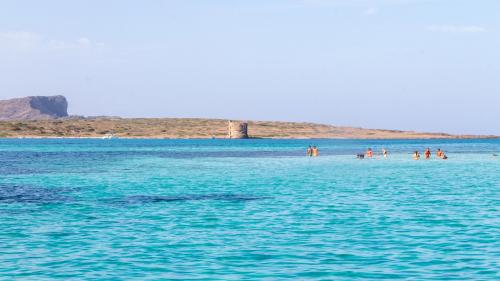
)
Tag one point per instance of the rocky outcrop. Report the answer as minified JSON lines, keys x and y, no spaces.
{"x":237,"y":130}
{"x":34,"y":108}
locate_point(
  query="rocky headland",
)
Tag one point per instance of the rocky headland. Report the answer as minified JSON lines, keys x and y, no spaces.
{"x":34,"y":108}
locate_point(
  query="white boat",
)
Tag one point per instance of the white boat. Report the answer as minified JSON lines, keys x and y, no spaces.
{"x":108,"y":136}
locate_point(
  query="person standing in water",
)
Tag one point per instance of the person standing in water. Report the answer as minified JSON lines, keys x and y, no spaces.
{"x":439,"y":153}
{"x":369,"y":153}
{"x":309,"y":151}
{"x":385,"y":153}
{"x":427,"y":153}
{"x":315,"y":152}
{"x":416,"y":155}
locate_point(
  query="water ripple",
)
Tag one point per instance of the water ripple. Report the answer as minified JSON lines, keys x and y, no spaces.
{"x":146,"y":199}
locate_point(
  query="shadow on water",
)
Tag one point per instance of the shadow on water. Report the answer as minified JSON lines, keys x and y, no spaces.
{"x":10,"y":194}
{"x":149,"y":199}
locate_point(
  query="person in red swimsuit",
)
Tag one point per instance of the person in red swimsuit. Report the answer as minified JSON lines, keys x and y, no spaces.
{"x":427,"y":153}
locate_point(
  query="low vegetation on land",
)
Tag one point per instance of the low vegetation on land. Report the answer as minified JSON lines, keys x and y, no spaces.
{"x":191,"y":128}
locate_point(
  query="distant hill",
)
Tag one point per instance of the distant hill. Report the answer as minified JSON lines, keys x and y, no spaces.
{"x":99,"y":127}
{"x":34,"y":108}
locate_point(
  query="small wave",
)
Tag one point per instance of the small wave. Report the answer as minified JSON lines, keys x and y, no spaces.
{"x":147,"y":199}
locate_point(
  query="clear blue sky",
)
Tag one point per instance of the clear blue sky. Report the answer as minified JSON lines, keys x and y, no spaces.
{"x":426,"y":65}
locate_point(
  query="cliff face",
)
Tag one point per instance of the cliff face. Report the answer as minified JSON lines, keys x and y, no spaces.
{"x":31,"y":108}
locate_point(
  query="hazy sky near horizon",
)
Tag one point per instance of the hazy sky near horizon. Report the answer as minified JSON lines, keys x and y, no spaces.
{"x":425,"y":65}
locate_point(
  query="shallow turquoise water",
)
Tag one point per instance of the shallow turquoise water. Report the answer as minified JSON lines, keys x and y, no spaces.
{"x":247,"y":209}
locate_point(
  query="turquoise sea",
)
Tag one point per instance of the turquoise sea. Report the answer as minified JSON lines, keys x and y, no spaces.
{"x":75,"y":209}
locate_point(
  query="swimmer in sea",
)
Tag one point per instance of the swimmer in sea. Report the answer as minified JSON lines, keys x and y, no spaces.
{"x":315,"y":152}
{"x":369,"y":153}
{"x":439,"y":153}
{"x":442,"y":155}
{"x":385,"y":153}
{"x":309,"y":151}
{"x":427,"y":153}
{"x":416,"y":155}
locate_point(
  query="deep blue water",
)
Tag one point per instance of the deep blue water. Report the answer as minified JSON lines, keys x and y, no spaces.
{"x":248,"y":209}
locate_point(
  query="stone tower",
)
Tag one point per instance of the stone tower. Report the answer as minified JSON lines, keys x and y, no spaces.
{"x":237,"y":130}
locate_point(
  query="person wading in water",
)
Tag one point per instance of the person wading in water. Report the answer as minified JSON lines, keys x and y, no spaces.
{"x":416,"y":155}
{"x":385,"y":153}
{"x":315,"y":152}
{"x":428,"y":153}
{"x":369,"y":153}
{"x":309,"y":151}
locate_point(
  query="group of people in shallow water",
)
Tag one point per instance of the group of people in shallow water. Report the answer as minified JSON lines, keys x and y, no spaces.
{"x":312,"y":151}
{"x":369,"y":154}
{"x":427,"y":154}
